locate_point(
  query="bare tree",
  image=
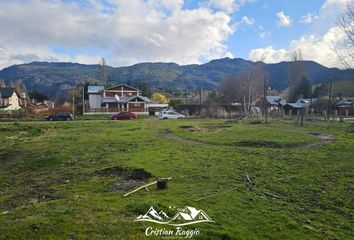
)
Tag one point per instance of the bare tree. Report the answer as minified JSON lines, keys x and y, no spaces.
{"x":2,"y":83}
{"x":103,"y":72}
{"x":346,"y":23}
{"x":243,"y":88}
{"x":21,"y":88}
{"x":297,"y":70}
{"x":230,"y":89}
{"x":254,"y":83}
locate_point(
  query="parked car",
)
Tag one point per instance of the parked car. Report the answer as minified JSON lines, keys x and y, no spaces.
{"x":124,"y":116}
{"x":170,"y":115}
{"x":60,"y":117}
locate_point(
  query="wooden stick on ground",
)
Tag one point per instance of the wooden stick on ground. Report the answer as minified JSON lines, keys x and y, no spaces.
{"x":249,"y":179}
{"x":145,"y":186}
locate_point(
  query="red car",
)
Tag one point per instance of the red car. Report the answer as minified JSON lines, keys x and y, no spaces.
{"x":123,"y":116}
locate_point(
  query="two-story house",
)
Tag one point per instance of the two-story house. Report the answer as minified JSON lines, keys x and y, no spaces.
{"x":116,"y":99}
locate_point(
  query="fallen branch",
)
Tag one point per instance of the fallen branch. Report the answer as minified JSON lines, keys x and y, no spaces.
{"x":271,"y":195}
{"x":249,"y":179}
{"x":285,"y":178}
{"x":311,"y":228}
{"x":146,"y":185}
{"x":266,"y":193}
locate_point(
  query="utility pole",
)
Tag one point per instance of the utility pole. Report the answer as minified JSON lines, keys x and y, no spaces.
{"x":302,"y":115}
{"x":73,"y":88}
{"x":265,"y":100}
{"x":329,"y":97}
{"x":200,"y":96}
{"x":83,"y":100}
{"x":200,"y":100}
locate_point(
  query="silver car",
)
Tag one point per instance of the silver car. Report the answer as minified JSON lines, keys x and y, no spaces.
{"x":170,"y":115}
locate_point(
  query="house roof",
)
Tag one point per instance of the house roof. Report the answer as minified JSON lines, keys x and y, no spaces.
{"x":275,"y":100}
{"x":124,"y":99}
{"x":295,"y":105}
{"x":301,"y":103}
{"x":6,"y":92}
{"x":344,"y":103}
{"x":158,"y":105}
{"x":125,"y":85}
{"x":145,"y":99}
{"x":95,"y":89}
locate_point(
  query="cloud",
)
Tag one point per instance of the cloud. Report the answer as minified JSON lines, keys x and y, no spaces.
{"x":248,"y":20}
{"x":229,"y":6}
{"x":265,"y":34}
{"x":309,"y":18}
{"x":322,"y":46}
{"x":122,"y":31}
{"x":283,"y":20}
{"x":262,"y":33}
{"x":337,"y":3}
{"x":317,"y":48}
{"x":327,"y":16}
{"x":268,"y":54}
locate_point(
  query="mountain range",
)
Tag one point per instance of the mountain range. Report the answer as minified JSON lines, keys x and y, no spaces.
{"x":52,"y":78}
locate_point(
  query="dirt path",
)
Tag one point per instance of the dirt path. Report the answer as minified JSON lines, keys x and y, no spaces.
{"x":170,"y":136}
{"x":322,"y":137}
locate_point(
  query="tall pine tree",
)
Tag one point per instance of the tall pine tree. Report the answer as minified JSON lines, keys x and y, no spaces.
{"x":303,"y":88}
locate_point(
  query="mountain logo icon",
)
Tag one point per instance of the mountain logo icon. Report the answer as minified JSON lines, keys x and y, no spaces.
{"x":184,"y":216}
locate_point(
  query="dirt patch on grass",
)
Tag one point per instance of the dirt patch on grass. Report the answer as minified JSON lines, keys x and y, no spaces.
{"x":218,"y":126}
{"x":125,"y":185}
{"x":195,"y":129}
{"x":35,"y":194}
{"x":324,"y":139}
{"x":125,"y":173}
{"x":256,"y":143}
{"x":172,"y":137}
{"x":129,"y":178}
{"x":208,"y":128}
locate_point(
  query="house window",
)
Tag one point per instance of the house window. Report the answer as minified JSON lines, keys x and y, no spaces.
{"x":129,"y":94}
{"x":136,"y":104}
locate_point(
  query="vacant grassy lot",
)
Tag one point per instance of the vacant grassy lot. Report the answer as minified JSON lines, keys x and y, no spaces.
{"x":280,"y":181}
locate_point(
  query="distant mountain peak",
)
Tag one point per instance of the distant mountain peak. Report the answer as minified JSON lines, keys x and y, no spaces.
{"x":52,"y":78}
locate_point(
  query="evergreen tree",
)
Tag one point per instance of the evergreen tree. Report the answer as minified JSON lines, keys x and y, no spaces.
{"x":38,"y":96}
{"x":214,"y":95}
{"x":320,"y":91}
{"x":144,"y":88}
{"x":303,"y":88}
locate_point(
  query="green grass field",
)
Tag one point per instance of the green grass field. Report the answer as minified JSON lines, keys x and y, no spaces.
{"x":65,"y":180}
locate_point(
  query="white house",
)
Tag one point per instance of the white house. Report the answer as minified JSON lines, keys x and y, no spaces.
{"x":9,"y":99}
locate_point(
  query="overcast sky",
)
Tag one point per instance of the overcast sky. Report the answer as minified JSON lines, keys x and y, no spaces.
{"x":126,"y":32}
